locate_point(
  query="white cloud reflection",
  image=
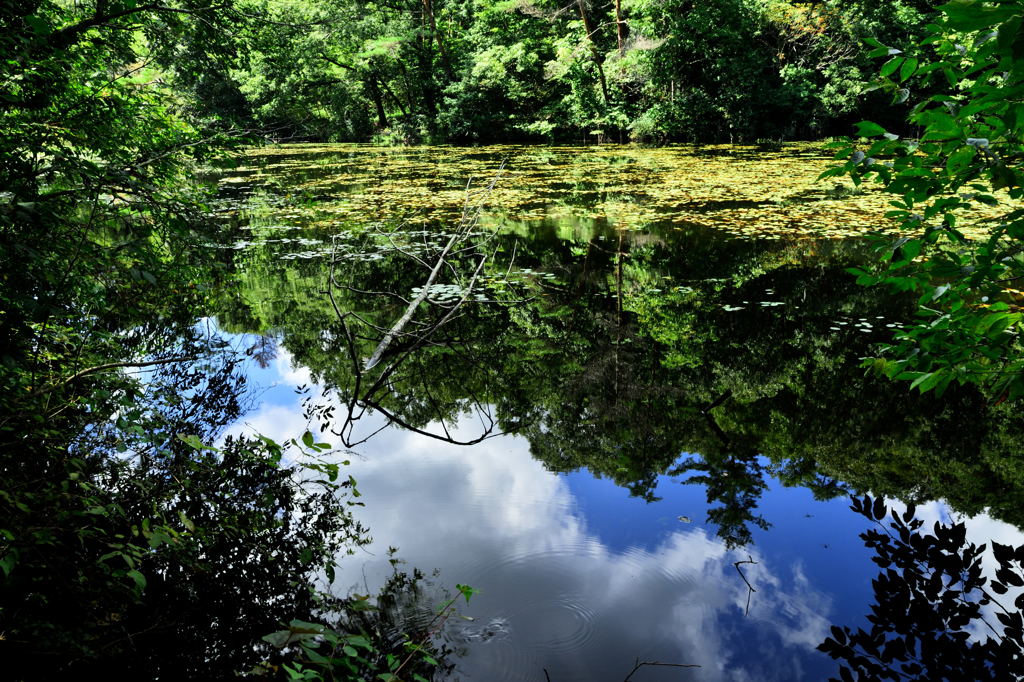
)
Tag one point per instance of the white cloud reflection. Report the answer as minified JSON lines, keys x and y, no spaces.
{"x":555,"y":597}
{"x":552,"y":595}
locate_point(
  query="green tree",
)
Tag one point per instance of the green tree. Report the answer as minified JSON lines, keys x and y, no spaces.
{"x":127,"y":543}
{"x":602,"y":365}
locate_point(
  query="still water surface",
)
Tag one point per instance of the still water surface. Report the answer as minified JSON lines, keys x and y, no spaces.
{"x":672,"y":345}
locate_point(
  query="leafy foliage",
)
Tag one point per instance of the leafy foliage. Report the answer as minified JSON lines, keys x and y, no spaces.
{"x":390,"y":637}
{"x":125,"y":534}
{"x":128,"y":542}
{"x":964,"y":79}
{"x":608,"y":352}
{"x":479,"y":70}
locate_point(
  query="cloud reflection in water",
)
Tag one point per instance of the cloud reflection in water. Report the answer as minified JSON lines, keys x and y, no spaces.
{"x":552,"y":595}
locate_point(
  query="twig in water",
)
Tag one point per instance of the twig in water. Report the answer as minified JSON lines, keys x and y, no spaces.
{"x":113,"y":365}
{"x":718,"y":401}
{"x":640,"y":664}
{"x":750,"y":588}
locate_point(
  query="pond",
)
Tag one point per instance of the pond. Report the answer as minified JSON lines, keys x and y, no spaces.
{"x":628,"y":407}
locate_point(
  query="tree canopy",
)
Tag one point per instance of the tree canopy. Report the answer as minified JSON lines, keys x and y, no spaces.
{"x":128,"y":542}
{"x":478,"y":70}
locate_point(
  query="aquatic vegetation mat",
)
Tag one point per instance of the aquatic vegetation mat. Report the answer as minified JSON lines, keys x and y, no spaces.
{"x":743,"y":191}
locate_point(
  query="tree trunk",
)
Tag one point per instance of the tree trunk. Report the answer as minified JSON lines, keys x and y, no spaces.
{"x":374,"y":82}
{"x":378,"y":101}
{"x":428,"y":10}
{"x":390,"y":93}
{"x":589,"y":30}
{"x":620,"y":28}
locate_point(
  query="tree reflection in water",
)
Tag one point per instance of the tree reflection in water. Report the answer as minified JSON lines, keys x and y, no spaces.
{"x":673,"y":352}
{"x":616,"y":375}
{"x":933,"y":613}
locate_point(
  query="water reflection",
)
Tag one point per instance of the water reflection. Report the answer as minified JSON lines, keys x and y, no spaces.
{"x":554,"y":594}
{"x":579,"y":581}
{"x":647,"y":358}
{"x":609,"y":356}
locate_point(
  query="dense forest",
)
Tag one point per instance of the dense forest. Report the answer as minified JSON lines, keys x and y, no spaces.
{"x":469,"y":71}
{"x":472,"y":71}
{"x":135,"y":538}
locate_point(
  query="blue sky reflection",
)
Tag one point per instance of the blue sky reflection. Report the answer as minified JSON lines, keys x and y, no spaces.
{"x":579,"y":579}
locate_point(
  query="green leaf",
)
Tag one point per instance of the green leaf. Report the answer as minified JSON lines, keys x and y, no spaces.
{"x":193,"y":442}
{"x":940,"y":126}
{"x":8,"y":562}
{"x":466,"y":591}
{"x":1002,"y":324}
{"x":908,"y":68}
{"x":279,"y":639}
{"x":983,"y":325}
{"x":960,"y":159}
{"x":140,"y":580}
{"x":973,"y":15}
{"x":187,"y":522}
{"x":869,"y":129}
{"x":360,"y":641}
{"x":911,"y":249}
{"x":38,"y":25}
{"x":305,"y":627}
{"x":921,"y":378}
{"x":890,"y":67}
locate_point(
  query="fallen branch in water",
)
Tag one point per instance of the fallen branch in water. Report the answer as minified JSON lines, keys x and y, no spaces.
{"x":640,"y":664}
{"x":112,"y":365}
{"x":462,"y":260}
{"x":470,"y":218}
{"x":718,"y":401}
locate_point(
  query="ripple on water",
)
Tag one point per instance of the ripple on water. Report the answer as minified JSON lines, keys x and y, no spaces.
{"x":546,"y":608}
{"x":561,"y":625}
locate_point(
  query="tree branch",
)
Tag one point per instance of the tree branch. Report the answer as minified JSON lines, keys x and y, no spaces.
{"x":69,"y":35}
{"x":750,"y":588}
{"x":113,"y":365}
